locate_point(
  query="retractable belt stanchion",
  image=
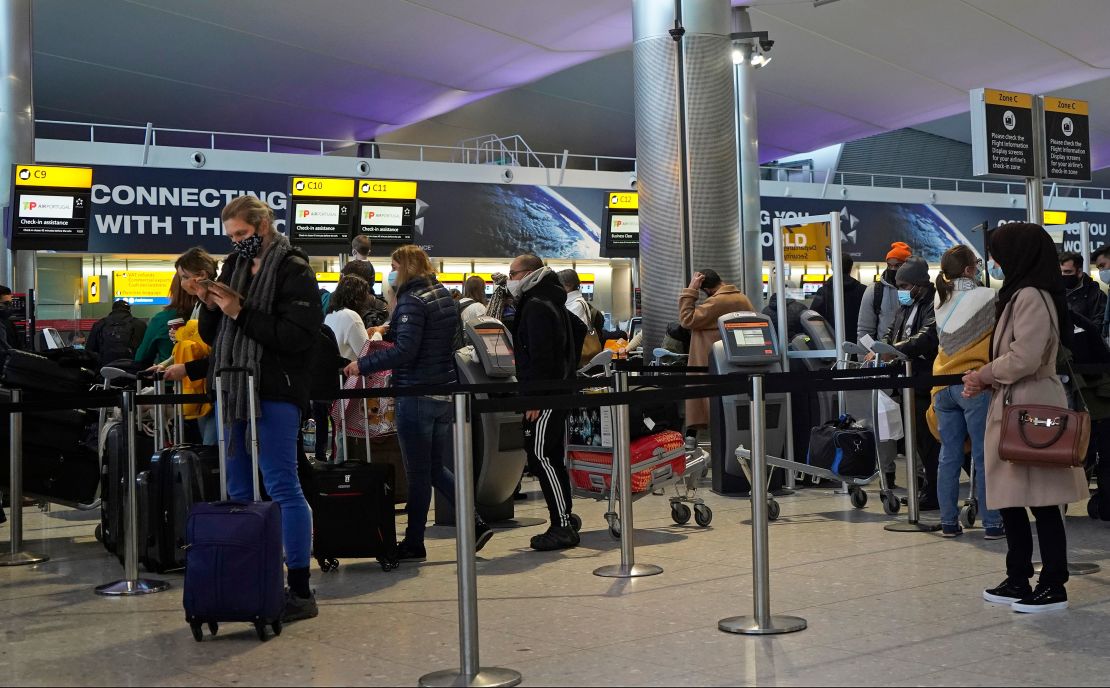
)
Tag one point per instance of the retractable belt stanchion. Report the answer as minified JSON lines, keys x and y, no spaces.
{"x":15,"y":556}
{"x":912,"y":524}
{"x":622,"y":457}
{"x":470,"y":672}
{"x":762,"y":622}
{"x":131,"y":583}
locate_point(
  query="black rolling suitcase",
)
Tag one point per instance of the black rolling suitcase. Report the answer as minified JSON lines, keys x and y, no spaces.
{"x":30,"y":371}
{"x":114,"y":483}
{"x":178,"y":478}
{"x":353,"y":512}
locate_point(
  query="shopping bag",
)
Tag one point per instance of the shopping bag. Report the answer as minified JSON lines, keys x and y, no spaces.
{"x":890,"y":418}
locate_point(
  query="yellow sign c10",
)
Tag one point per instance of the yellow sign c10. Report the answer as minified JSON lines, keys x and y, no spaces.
{"x":624,"y":200}
{"x":325,"y":187}
{"x":49,"y":175}
{"x":387,"y":188}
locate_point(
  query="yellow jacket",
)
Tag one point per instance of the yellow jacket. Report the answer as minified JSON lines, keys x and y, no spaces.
{"x":973,"y":357}
{"x":191,"y":347}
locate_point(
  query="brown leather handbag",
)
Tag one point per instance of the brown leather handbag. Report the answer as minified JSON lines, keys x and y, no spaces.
{"x":1044,"y":436}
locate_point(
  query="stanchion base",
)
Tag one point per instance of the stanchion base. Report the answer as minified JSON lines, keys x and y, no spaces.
{"x":125,"y":588}
{"x":21,"y":559}
{"x":1074,"y":568}
{"x":747,"y":625}
{"x":487,"y":677}
{"x":634,"y":571}
{"x":906,"y":527}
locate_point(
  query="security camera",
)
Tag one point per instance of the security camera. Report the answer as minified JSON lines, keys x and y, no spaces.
{"x":197,"y":159}
{"x":632,"y":181}
{"x":363,"y":168}
{"x":506,"y":175}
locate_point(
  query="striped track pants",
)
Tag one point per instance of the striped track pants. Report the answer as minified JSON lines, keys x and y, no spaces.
{"x":544,"y":442}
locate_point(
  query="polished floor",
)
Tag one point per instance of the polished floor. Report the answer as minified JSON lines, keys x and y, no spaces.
{"x":883,"y":609}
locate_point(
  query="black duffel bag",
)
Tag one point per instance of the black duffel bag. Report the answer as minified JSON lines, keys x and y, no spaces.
{"x":843,"y":447}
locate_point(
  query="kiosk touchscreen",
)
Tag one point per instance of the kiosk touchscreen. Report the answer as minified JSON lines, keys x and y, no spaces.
{"x":498,"y":438}
{"x":748,"y":345}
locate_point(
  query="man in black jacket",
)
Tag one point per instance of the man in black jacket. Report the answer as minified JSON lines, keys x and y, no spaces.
{"x":117,"y":335}
{"x":547,"y":341}
{"x":853,"y":297}
{"x":1086,"y":302}
{"x":914,"y":334}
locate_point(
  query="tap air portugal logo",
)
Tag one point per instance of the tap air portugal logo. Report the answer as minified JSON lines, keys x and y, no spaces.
{"x":45,"y":206}
{"x":393,"y":216}
{"x":317,"y":214}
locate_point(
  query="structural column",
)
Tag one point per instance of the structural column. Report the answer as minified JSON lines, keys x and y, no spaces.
{"x":680,"y":232}
{"x":17,"y":119}
{"x":747,"y":147}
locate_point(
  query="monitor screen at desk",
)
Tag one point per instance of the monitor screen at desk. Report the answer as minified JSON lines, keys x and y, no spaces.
{"x":495,"y":346}
{"x":749,"y":340}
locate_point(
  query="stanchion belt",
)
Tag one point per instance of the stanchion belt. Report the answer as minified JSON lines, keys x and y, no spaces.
{"x":800,"y":382}
{"x":75,"y":402}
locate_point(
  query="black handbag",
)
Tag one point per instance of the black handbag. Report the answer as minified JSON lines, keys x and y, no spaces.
{"x":843,"y":447}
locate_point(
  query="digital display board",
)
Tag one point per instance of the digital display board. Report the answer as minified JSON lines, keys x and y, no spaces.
{"x":142,"y":287}
{"x":321,"y":212}
{"x":621,"y":231}
{"x":51,"y":207}
{"x":387,"y":210}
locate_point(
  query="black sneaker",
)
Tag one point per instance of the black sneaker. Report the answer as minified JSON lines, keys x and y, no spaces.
{"x":1045,"y":598}
{"x":299,"y":608}
{"x":951,"y":531}
{"x":482,"y":535}
{"x":409,"y":552}
{"x":1008,"y":592}
{"x":556,"y":537}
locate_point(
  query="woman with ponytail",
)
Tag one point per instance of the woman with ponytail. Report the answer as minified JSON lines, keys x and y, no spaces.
{"x":965,"y":321}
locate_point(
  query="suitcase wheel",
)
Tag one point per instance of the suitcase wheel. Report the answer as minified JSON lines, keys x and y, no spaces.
{"x":276,"y":627}
{"x":260,"y":629}
{"x":388,"y":565}
{"x":198,"y":633}
{"x":99,"y":533}
{"x":213,"y":627}
{"x":328,"y":565}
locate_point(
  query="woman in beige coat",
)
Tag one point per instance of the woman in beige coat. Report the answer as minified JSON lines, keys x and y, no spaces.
{"x":701,"y":320}
{"x":1032,"y":324}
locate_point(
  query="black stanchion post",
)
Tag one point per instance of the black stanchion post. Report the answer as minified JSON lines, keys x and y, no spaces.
{"x":761,"y":622}
{"x":913,"y":506}
{"x":470,"y":672}
{"x":15,"y":556}
{"x":622,"y":459}
{"x":131,"y":583}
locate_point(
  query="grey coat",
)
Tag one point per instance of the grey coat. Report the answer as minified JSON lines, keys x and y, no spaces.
{"x":870,"y":325}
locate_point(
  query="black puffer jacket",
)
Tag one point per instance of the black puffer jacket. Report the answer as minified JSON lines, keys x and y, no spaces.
{"x":422,"y":330}
{"x":287,"y":334}
{"x":547,"y":338}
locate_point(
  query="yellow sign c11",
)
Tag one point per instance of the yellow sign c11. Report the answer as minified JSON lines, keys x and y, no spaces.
{"x":387,"y":188}
{"x":624,"y":200}
{"x":53,"y":176}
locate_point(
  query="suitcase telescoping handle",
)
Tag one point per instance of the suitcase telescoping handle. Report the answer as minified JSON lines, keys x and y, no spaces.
{"x":220,"y":430}
{"x":343,"y":423}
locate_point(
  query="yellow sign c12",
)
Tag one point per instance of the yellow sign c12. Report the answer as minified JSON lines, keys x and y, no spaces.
{"x":624,"y":200}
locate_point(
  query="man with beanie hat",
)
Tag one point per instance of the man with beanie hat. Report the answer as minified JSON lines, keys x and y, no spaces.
{"x":915,"y":335}
{"x":880,"y":301}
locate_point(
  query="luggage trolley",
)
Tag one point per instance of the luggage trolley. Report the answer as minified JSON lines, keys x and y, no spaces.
{"x":592,"y":433}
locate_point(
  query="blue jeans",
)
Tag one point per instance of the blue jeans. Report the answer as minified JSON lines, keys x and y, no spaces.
{"x":959,"y":419}
{"x":424,"y":433}
{"x":277,"y":457}
{"x":209,"y":433}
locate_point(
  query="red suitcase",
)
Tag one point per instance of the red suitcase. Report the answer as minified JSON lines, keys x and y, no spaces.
{"x":654,"y":458}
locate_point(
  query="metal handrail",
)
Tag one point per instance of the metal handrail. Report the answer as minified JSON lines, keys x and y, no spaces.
{"x":521,"y":154}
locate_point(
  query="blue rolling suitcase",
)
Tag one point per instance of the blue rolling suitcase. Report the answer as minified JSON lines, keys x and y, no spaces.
{"x":233,"y":569}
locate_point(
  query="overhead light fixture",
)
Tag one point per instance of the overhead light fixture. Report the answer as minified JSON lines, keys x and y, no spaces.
{"x":760,"y":57}
{"x":760,"y":44}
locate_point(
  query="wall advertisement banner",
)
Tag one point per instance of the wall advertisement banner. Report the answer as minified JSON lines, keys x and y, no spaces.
{"x":166,"y":211}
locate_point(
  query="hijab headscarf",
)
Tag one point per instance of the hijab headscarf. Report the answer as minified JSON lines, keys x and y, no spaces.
{"x":1028,"y":258}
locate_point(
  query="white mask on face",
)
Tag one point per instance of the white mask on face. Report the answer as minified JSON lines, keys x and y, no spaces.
{"x":514,"y":287}
{"x":1104,"y":275}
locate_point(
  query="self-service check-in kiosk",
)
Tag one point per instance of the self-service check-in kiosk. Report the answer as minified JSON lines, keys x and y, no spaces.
{"x":818,"y":336}
{"x":748,"y":345}
{"x":498,"y":438}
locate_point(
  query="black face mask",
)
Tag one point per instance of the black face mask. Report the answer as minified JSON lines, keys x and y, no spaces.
{"x":1071,"y":281}
{"x":889,"y":274}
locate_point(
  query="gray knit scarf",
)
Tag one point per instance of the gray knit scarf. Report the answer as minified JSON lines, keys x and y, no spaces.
{"x":233,"y":348}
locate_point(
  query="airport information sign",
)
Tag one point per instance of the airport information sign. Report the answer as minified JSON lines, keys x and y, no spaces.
{"x":621,"y":233}
{"x":1002,"y":133}
{"x":1067,"y":140}
{"x":806,"y":243}
{"x":142,"y":287}
{"x":387,"y":210}
{"x":321,"y":212}
{"x":51,"y":207}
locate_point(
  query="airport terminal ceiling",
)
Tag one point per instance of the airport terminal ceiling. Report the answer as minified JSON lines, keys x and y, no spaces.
{"x":439,"y":71}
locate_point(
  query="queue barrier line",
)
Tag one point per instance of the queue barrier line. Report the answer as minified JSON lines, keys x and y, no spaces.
{"x":16,"y":555}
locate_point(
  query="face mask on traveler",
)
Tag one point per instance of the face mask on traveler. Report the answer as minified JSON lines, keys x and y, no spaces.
{"x":1071,"y":281}
{"x":889,"y":275}
{"x":996,"y":272}
{"x":1104,"y":275}
{"x":248,"y":248}
{"x":391,"y":279}
{"x":514,"y":288}
{"x":905,"y":297}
